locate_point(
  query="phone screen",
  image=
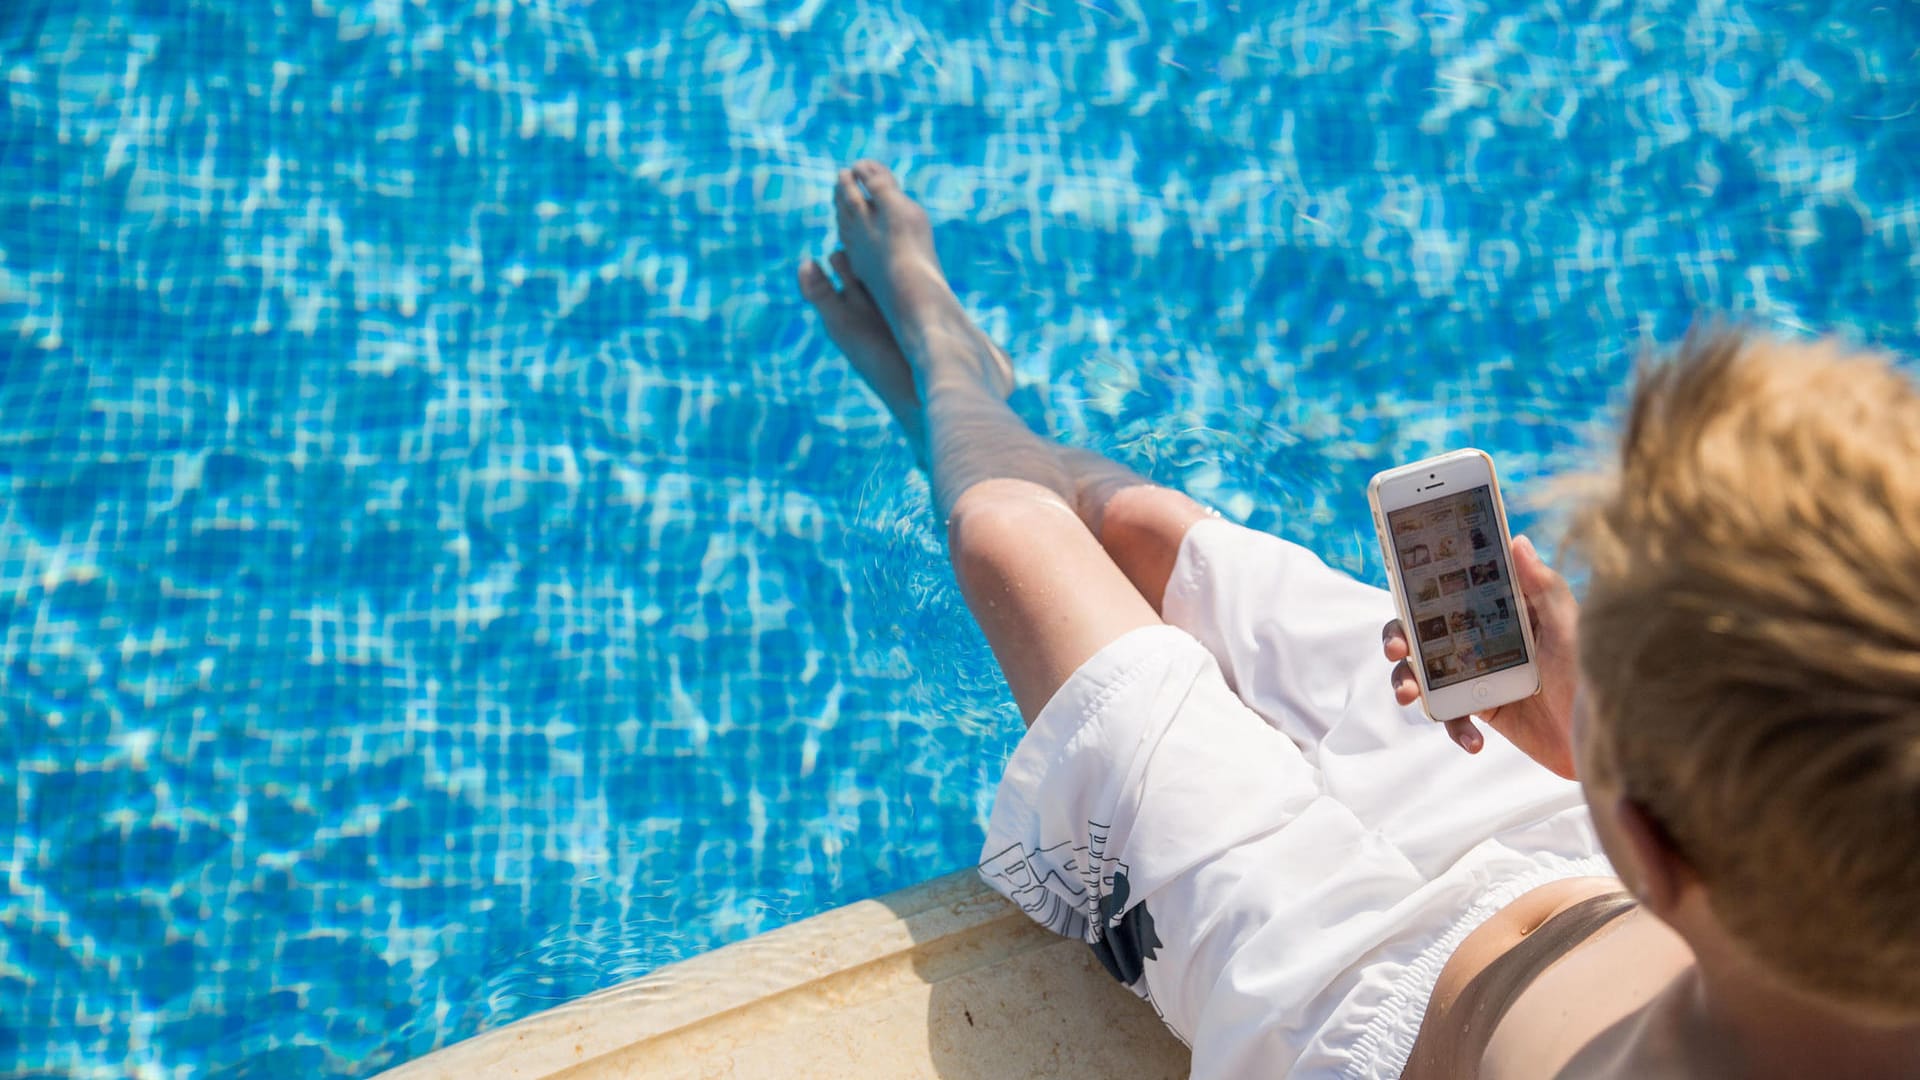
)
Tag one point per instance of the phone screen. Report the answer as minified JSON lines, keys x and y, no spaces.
{"x":1458,"y":586}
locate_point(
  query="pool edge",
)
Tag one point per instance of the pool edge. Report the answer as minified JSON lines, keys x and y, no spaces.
{"x":945,"y":978}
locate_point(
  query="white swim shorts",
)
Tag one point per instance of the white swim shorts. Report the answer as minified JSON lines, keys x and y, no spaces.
{"x":1254,"y":836}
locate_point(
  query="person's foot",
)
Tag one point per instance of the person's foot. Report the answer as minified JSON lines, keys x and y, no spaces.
{"x":855,"y":323}
{"x":889,"y":242}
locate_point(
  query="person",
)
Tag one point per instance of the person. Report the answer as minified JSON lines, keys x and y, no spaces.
{"x":1228,"y":793}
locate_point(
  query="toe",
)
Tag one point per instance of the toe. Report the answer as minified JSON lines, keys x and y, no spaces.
{"x":843,"y":266}
{"x":879,"y":179}
{"x":816,"y":286}
{"x":847,"y":194}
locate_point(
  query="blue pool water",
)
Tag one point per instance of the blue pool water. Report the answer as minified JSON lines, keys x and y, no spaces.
{"x":444,"y":570}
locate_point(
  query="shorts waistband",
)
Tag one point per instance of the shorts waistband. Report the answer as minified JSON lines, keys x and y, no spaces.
{"x":1387,"y":1040}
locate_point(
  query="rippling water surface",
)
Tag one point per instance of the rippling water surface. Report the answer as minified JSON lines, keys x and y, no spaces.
{"x":444,"y":570}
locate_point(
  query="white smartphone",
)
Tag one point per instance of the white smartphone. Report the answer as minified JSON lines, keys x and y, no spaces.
{"x":1443,"y":530}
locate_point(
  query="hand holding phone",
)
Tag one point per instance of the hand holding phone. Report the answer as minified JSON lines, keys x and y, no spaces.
{"x":1541,"y":725}
{"x":1473,"y":649}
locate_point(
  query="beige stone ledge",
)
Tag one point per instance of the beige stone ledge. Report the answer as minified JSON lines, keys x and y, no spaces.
{"x":945,"y":979}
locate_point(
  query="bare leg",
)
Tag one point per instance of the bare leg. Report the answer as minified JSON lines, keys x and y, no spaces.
{"x":1045,"y":593}
{"x":856,"y":325}
{"x":1138,"y":523}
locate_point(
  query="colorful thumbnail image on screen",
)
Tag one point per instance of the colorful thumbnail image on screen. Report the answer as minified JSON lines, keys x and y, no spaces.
{"x":1458,"y":587}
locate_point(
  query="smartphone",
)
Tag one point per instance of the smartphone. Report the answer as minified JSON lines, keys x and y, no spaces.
{"x":1443,"y":530}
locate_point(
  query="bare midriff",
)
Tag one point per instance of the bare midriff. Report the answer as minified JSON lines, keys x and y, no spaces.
{"x":1498,"y":961}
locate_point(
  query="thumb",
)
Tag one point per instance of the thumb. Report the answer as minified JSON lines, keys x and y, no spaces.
{"x":1546,"y":590}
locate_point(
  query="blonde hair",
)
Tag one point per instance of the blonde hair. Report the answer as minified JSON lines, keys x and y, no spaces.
{"x":1750,"y":643}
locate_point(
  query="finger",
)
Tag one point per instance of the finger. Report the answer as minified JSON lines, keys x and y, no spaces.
{"x":847,"y":194}
{"x":1406,"y":688}
{"x":1393,"y":641}
{"x":1546,"y":590}
{"x":878,"y":178}
{"x":1463,"y":731}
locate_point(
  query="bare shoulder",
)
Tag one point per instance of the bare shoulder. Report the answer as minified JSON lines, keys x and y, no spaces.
{"x":1591,"y":1011}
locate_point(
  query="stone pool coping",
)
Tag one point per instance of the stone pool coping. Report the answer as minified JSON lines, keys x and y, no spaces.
{"x":944,"y":979}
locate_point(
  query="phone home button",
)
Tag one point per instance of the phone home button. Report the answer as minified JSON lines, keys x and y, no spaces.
{"x":1482,"y":691}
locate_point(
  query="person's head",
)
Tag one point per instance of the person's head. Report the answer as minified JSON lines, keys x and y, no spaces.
{"x":1750,"y":656}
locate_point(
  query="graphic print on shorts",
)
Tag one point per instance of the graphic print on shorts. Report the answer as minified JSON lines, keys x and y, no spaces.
{"x":1127,"y":945}
{"x":1060,"y":888}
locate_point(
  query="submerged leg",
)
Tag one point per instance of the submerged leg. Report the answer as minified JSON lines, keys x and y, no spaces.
{"x":1043,"y":589}
{"x":1138,"y":523}
{"x":855,"y":324}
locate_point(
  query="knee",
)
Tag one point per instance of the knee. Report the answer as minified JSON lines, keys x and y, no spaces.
{"x":1147,"y":519}
{"x":996,"y":524}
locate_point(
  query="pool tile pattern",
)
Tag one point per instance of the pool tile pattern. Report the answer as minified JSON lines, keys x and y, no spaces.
{"x":444,"y":569}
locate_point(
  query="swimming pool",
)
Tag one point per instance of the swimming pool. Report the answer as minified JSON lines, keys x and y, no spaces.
{"x":448,"y":571}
